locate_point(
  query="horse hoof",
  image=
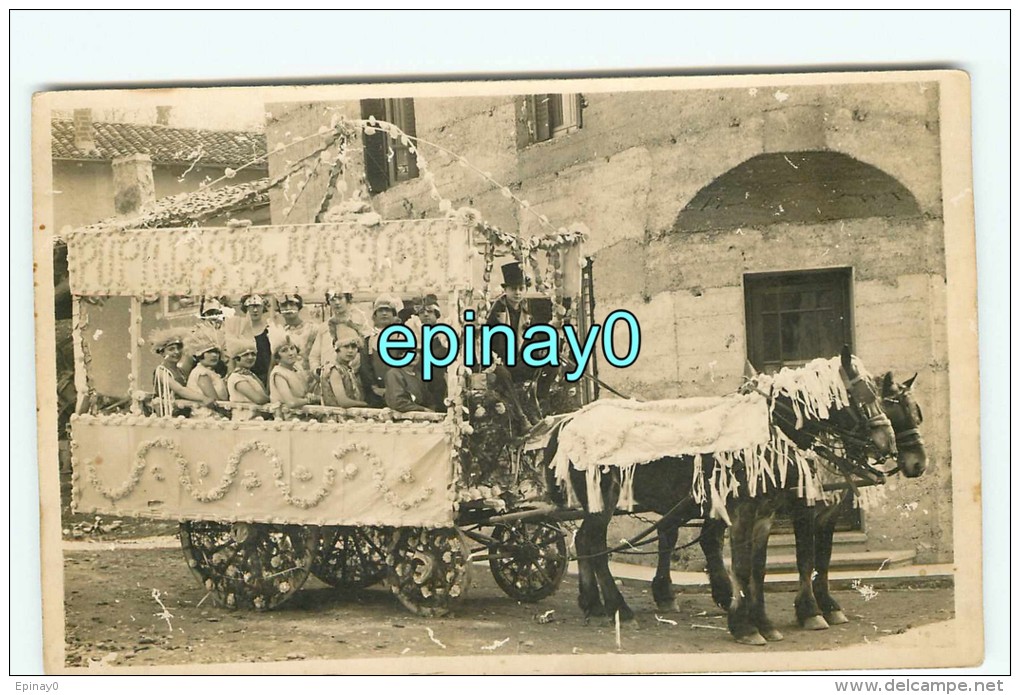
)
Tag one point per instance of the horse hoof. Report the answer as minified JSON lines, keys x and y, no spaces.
{"x":772,"y":635}
{"x":625,"y":613}
{"x":836,"y":618}
{"x":753,"y":639}
{"x":671,"y":606}
{"x":814,"y":622}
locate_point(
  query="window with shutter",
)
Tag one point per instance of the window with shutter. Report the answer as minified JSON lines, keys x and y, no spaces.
{"x":541,"y":117}
{"x":389,"y":161}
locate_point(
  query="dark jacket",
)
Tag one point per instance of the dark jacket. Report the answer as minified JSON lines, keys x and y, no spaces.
{"x":519,"y":320}
{"x":373,"y":373}
{"x":406,"y":391}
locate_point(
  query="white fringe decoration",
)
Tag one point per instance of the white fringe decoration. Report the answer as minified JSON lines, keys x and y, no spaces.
{"x":626,"y":501}
{"x":593,"y":478}
{"x":698,"y":482}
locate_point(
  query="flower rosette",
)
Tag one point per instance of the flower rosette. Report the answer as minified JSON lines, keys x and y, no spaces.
{"x":379,"y":477}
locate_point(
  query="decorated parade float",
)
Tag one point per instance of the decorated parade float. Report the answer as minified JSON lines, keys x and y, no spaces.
{"x":268,"y":494}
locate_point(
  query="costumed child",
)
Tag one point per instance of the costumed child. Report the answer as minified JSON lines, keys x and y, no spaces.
{"x":204,"y":348}
{"x":341,"y":383}
{"x":168,"y":381}
{"x":242,"y":384}
{"x":288,"y":382}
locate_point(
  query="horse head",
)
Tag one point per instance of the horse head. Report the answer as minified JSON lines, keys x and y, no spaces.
{"x":864,"y":397}
{"x":902,"y":410}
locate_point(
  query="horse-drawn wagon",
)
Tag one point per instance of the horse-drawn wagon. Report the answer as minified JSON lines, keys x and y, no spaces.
{"x":351,"y":495}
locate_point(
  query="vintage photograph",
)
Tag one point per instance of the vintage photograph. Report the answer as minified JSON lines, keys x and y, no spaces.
{"x":560,"y":376}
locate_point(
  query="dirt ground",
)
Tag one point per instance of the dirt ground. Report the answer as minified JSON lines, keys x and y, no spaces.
{"x":113,"y":617}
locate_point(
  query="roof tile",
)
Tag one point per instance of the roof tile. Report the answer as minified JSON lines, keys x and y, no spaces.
{"x":165,"y":145}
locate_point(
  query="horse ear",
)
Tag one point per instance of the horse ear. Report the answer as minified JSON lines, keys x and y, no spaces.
{"x":909,"y":382}
{"x":749,"y":371}
{"x":888,"y":386}
{"x":845,"y":359}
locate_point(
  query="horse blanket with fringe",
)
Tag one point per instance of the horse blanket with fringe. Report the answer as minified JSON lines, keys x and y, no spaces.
{"x":624,"y":433}
{"x":628,"y":433}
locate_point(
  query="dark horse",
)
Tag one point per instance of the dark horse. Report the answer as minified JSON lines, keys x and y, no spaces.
{"x":814,"y":526}
{"x":666,"y":486}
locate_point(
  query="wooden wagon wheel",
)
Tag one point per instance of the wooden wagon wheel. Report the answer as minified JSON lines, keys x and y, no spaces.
{"x":428,"y":569}
{"x":352,"y":557}
{"x":245,"y":565}
{"x":529,"y":559}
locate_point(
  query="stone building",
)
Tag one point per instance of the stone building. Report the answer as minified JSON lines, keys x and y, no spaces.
{"x":769,"y":224}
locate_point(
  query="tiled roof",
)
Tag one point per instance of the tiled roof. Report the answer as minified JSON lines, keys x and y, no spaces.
{"x":194,"y":208}
{"x":229,"y":148}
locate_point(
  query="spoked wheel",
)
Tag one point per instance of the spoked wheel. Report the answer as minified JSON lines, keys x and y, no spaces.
{"x":246,"y":565}
{"x":428,"y":569}
{"x":529,"y":559}
{"x":352,"y":557}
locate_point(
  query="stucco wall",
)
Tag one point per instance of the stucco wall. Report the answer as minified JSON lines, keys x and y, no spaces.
{"x":641,"y":157}
{"x":84,"y":191}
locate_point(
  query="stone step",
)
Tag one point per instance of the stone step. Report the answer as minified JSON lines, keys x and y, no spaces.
{"x":847,"y":561}
{"x":843,"y":541}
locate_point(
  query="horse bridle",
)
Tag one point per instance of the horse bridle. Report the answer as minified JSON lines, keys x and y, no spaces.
{"x":866,"y":401}
{"x":908,"y":438}
{"x":868,"y":414}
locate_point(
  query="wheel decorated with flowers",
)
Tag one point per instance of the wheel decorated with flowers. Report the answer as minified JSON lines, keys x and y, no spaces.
{"x":352,"y":557}
{"x":529,"y":559}
{"x":246,"y":565}
{"x":428,"y":569}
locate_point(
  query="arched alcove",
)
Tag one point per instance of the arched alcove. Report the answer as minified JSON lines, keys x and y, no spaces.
{"x":796,"y":187}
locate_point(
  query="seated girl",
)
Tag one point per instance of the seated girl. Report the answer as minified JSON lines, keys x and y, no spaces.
{"x":204,"y":348}
{"x":242,"y":384}
{"x":340,"y":382}
{"x":168,"y":380}
{"x":288,"y":382}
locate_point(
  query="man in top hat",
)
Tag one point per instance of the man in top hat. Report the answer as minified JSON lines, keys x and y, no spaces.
{"x":511,"y":309}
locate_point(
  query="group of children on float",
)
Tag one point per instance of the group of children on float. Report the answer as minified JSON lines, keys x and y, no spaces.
{"x":293,"y":362}
{"x":249,"y":358}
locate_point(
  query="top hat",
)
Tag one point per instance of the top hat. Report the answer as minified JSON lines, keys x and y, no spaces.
{"x":513,"y":275}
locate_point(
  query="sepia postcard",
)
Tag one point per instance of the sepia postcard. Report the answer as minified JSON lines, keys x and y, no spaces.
{"x":624,"y":375}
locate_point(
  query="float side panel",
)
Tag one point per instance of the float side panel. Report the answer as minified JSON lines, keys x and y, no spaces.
{"x":398,"y":474}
